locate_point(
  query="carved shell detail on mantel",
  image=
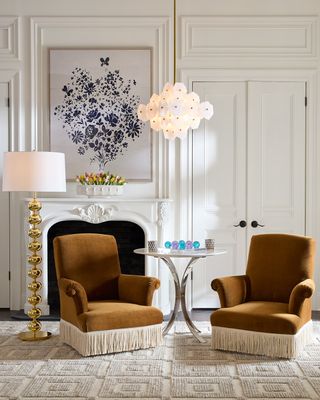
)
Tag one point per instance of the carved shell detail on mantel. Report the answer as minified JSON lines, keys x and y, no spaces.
{"x":95,"y":213}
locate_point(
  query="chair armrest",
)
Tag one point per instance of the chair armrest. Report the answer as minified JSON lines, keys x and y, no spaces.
{"x":302,"y":291}
{"x":137,"y":289}
{"x":232,"y":290}
{"x":77,"y":292}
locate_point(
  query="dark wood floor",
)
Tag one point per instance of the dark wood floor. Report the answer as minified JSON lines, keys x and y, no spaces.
{"x":196,"y":315}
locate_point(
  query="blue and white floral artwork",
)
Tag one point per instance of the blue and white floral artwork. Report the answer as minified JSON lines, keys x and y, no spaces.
{"x":94,"y":96}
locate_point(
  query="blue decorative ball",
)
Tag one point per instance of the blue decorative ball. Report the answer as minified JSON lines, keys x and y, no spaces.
{"x":196,"y":244}
{"x":189,"y":244}
{"x":167,"y":245}
{"x":182,"y":245}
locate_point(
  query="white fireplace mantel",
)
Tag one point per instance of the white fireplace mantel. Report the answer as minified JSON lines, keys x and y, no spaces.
{"x":151,"y":214}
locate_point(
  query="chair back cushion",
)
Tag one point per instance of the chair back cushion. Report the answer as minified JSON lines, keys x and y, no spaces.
{"x":276,"y":263}
{"x":90,"y":259}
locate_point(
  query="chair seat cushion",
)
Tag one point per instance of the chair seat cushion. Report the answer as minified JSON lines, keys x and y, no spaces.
{"x":106,"y":315}
{"x":259,"y":316}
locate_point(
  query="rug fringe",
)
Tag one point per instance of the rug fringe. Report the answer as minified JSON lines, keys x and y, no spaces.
{"x":269,"y":344}
{"x":110,"y":341}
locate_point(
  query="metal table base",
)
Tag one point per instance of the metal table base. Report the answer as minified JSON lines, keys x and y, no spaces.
{"x":180,"y":286}
{"x":180,"y":297}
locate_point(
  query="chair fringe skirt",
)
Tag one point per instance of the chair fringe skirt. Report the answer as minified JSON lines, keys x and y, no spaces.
{"x":110,"y":341}
{"x":269,"y":344}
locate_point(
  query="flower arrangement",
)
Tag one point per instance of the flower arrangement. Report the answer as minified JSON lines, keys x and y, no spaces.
{"x":101,"y":178}
{"x":98,"y":114}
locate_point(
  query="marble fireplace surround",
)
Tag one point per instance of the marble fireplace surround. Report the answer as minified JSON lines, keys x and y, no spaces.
{"x":152,"y":215}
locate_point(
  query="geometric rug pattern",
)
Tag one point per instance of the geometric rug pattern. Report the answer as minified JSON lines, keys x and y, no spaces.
{"x":181,"y":368}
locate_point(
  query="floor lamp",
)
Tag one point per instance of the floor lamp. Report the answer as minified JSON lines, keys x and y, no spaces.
{"x":36,"y":171}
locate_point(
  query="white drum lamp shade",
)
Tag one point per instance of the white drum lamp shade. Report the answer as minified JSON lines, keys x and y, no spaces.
{"x":34,"y":171}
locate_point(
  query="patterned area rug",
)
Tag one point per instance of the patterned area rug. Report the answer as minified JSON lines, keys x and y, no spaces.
{"x":180,"y":369}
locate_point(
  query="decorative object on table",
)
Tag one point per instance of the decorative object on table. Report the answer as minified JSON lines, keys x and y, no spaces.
{"x":196,"y":244}
{"x":209,"y":244}
{"x":100,"y":184}
{"x":182,"y":245}
{"x":94,"y":94}
{"x":175,"y":245}
{"x":34,"y":172}
{"x":174,"y":110}
{"x":152,"y":245}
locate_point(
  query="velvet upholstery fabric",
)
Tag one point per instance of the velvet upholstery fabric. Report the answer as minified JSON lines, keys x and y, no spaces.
{"x":118,"y":315}
{"x":274,"y":296}
{"x":276,"y":263}
{"x":260,"y":316}
{"x":94,"y":295}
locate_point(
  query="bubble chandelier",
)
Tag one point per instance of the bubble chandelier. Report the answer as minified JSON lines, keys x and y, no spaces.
{"x":174,"y":110}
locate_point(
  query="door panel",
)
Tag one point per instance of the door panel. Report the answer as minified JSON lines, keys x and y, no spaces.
{"x":251,"y":173}
{"x":4,"y":201}
{"x":219,"y":174}
{"x":276,"y":152}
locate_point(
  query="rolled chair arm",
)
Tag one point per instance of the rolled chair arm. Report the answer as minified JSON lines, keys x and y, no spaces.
{"x":77,"y":292}
{"x":232,"y":290}
{"x":137,"y":289}
{"x":303,"y":290}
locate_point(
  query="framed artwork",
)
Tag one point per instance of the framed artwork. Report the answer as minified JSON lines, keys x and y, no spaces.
{"x":94,"y":96}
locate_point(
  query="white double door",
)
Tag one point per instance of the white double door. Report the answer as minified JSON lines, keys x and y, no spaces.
{"x":249,"y":166}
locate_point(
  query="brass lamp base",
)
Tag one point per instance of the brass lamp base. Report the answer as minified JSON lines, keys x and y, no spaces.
{"x":35,"y":333}
{"x":33,"y":336}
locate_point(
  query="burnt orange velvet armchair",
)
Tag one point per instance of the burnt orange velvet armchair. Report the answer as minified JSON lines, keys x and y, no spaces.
{"x":268,"y":310}
{"x":102,"y":310}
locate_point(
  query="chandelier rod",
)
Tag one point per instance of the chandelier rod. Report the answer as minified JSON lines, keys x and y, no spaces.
{"x":174,"y":41}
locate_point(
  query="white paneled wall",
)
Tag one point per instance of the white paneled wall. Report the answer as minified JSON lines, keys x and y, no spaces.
{"x":218,"y":40}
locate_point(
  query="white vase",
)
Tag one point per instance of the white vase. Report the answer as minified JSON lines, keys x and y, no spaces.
{"x":100,"y":190}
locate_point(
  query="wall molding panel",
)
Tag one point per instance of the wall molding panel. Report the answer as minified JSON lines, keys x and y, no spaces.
{"x":256,"y":36}
{"x":9,"y":38}
{"x":13,"y":79}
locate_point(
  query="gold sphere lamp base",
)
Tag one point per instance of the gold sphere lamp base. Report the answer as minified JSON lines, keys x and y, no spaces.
{"x":34,"y":259}
{"x":34,"y":336}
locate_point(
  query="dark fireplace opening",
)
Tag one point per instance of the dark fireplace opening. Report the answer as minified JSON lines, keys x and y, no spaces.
{"x":129,"y":236}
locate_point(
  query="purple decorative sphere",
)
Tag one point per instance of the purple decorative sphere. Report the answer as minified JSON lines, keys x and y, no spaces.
{"x":175,"y":245}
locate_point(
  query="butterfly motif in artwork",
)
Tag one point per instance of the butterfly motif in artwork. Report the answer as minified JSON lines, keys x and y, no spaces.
{"x":67,"y":90}
{"x":104,"y":61}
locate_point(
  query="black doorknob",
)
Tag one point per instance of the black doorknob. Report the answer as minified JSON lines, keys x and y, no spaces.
{"x":242,"y":224}
{"x":255,"y":224}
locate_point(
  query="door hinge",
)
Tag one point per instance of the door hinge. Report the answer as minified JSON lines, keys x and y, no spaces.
{"x":8,"y":102}
{"x":9,"y":273}
{"x":306,"y":101}
{"x":191,"y":276}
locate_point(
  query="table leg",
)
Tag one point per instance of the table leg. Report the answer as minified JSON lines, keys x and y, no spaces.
{"x":177,"y":301}
{"x":193,"y":329}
